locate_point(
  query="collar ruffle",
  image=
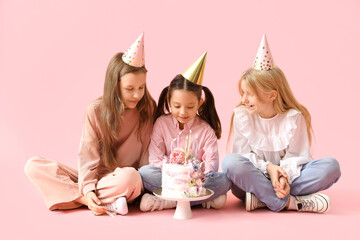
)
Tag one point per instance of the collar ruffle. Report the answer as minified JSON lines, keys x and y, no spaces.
{"x":262,"y":141}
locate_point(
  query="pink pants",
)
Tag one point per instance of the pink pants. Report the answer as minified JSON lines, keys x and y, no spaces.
{"x":58,"y":183}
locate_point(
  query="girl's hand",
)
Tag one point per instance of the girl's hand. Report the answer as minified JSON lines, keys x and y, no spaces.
{"x":94,"y":203}
{"x":284,"y":188}
{"x":275,"y":172}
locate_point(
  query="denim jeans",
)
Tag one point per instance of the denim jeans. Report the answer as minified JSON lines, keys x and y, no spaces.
{"x":315,"y":176}
{"x":216,"y":181}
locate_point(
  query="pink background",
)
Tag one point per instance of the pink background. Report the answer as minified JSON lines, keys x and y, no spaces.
{"x":53,"y":57}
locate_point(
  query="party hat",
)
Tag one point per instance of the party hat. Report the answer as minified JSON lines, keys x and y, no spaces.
{"x":135,"y":55}
{"x":195,"y":72}
{"x":264,"y":59}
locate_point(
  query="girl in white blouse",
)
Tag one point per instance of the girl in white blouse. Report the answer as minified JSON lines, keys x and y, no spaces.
{"x":271,"y":164}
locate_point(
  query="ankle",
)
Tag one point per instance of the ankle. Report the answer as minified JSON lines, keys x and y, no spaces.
{"x":288,"y":203}
{"x":291,"y":204}
{"x":81,"y":200}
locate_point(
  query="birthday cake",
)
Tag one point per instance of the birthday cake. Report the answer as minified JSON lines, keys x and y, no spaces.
{"x":182,"y":175}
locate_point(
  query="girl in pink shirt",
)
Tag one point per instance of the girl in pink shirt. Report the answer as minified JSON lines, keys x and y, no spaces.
{"x":113,"y":145}
{"x":185,"y":111}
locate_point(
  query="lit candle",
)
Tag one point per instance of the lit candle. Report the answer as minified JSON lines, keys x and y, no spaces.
{"x":177,"y":145}
{"x":188,"y":150}
{"x":185,"y":148}
{"x":196,"y":148}
{"x":171,"y":145}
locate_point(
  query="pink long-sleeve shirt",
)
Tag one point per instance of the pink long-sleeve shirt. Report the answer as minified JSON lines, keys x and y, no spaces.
{"x":166,"y":128}
{"x":131,"y":151}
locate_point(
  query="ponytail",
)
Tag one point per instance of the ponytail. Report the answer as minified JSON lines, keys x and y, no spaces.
{"x":207,"y":112}
{"x":162,"y":104}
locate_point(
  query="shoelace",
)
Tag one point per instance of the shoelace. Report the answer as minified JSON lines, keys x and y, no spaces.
{"x":261,"y":204}
{"x":256,"y":203}
{"x":158,"y":204}
{"x":111,"y":210}
{"x":307,"y":204}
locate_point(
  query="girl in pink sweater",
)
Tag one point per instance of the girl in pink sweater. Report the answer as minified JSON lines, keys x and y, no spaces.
{"x":113,"y":145}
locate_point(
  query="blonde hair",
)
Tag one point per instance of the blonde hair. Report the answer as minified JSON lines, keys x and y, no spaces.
{"x":112,"y":108}
{"x":274,"y":80}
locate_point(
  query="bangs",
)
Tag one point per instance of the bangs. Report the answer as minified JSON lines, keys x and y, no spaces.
{"x":251,"y":84}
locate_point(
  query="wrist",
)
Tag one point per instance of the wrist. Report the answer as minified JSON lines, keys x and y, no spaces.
{"x":89,"y":193}
{"x":88,"y":188}
{"x":268,"y":168}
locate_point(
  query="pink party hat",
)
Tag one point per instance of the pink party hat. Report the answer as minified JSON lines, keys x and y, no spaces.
{"x":135,"y":55}
{"x":264,"y":59}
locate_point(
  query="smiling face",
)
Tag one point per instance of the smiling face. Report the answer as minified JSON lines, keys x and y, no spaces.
{"x":132,"y":88}
{"x":184,"y":106}
{"x":257,"y":103}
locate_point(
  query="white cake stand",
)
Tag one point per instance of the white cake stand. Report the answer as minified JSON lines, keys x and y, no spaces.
{"x":183,"y":209}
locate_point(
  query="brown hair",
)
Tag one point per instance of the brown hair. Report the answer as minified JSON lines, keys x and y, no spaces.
{"x":271,"y":80}
{"x":112,"y":108}
{"x":206,"y":111}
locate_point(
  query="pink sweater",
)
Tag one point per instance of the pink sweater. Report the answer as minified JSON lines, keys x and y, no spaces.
{"x":166,"y":128}
{"x":131,"y":151}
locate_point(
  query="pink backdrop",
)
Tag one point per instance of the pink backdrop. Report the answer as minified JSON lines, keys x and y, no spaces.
{"x":53,"y":57}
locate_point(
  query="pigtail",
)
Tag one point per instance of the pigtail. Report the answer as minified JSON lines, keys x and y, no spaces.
{"x":207,"y":111}
{"x":162,"y":104}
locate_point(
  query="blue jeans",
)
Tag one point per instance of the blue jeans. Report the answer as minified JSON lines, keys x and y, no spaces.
{"x":216,"y":181}
{"x":315,"y":176}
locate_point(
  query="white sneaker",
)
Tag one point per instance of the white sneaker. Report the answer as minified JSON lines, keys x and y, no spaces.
{"x":117,"y":207}
{"x":217,"y":203}
{"x":151,"y":203}
{"x":317,"y":202}
{"x":252,"y":202}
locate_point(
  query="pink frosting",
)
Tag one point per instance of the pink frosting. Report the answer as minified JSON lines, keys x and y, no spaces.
{"x":177,"y":157}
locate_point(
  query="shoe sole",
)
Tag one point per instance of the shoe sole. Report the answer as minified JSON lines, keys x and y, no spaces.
{"x":248,"y":198}
{"x":327,"y":200}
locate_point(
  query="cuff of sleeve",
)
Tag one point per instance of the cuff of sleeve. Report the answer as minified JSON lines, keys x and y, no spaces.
{"x":291,"y":178}
{"x":263,"y":167}
{"x":88,"y":188}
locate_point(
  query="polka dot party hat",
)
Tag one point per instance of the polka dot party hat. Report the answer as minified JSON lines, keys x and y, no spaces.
{"x":135,"y":55}
{"x":195,"y":72}
{"x":264,"y":59}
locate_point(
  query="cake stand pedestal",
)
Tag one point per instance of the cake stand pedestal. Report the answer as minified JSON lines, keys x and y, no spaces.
{"x":183,"y":208}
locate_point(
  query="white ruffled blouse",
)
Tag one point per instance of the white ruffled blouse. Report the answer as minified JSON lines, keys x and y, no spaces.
{"x":281,"y":140}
